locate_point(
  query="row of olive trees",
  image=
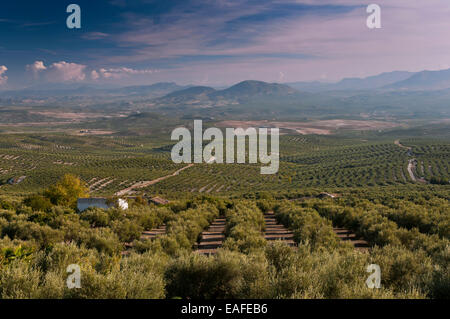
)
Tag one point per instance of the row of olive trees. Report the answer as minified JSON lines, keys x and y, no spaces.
{"x":368,"y":222}
{"x":37,"y":246}
{"x":276,"y":271}
{"x":184,"y":228}
{"x":245,"y":224}
{"x":308,"y":225}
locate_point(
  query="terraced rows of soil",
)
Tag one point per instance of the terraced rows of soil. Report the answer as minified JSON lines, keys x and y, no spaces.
{"x":148,"y":234}
{"x":213,"y":238}
{"x":155,"y":232}
{"x":347,"y":235}
{"x":275,"y":231}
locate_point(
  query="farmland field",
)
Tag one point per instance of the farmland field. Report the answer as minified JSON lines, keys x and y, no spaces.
{"x":109,"y":164}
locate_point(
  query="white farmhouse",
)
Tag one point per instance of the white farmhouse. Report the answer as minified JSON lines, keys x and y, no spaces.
{"x":100,"y":202}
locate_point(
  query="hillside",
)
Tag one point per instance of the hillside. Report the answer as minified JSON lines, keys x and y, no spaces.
{"x":253,"y":89}
{"x":367,"y":83}
{"x":246,"y":91}
{"x":425,"y":80}
{"x":157,"y":89}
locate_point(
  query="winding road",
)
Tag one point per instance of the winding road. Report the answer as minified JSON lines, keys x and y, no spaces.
{"x":412,"y":163}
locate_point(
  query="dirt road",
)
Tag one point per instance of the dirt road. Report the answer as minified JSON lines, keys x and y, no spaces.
{"x":144,"y":184}
{"x":412,"y":163}
{"x":411,"y":166}
{"x":397,"y":142}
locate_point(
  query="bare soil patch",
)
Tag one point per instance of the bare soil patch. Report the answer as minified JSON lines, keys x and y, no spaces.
{"x":213,"y":238}
{"x":92,"y":132}
{"x":276,"y":231}
{"x":347,"y":235}
{"x":324,"y":127}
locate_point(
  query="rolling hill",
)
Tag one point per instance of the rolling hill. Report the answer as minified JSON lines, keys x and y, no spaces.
{"x":245,"y":91}
{"x":397,"y":80}
{"x":369,"y":83}
{"x":252,"y":89}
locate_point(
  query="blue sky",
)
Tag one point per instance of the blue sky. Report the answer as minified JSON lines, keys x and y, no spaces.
{"x":217,"y":42}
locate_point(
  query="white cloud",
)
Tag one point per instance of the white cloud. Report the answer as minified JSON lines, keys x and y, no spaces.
{"x":94,"y":75}
{"x":36,"y":67}
{"x":73,"y":72}
{"x":118,"y":73}
{"x":66,"y":71}
{"x":3,"y":78}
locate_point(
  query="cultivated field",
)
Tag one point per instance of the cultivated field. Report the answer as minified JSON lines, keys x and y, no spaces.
{"x":129,"y":165}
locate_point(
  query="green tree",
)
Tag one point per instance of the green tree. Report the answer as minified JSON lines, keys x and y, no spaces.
{"x":67,"y":191}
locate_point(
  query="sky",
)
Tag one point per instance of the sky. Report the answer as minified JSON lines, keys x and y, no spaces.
{"x":206,"y":42}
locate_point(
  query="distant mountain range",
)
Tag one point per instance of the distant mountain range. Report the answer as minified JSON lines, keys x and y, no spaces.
{"x":157,"y":89}
{"x":397,"y":80}
{"x":369,"y":83}
{"x":245,"y":91}
{"x":389,"y":96}
{"x":250,"y":89}
{"x":381,"y":95}
{"x":425,"y":80}
{"x":253,"y":91}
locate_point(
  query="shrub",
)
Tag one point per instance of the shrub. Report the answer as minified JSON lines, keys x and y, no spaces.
{"x":38,"y":203}
{"x":227,"y":275}
{"x":127,"y":230}
{"x":96,"y":217}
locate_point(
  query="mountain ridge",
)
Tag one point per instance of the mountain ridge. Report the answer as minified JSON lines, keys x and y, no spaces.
{"x":243,"y":91}
{"x":424,"y":80}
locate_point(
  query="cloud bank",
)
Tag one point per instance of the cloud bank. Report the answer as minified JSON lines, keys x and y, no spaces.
{"x":36,"y":67}
{"x":66,"y":72}
{"x":73,"y":72}
{"x":119,"y":73}
{"x":3,"y":78}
